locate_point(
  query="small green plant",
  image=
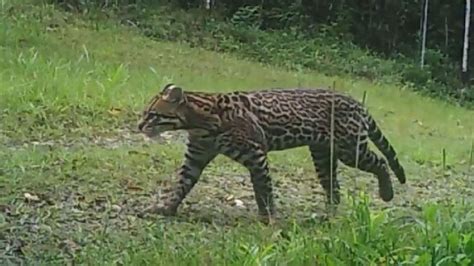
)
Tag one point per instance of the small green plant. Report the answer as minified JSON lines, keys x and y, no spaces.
{"x":247,"y":17}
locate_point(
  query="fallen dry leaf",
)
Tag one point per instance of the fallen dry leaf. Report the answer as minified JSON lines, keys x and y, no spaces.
{"x":114,"y":111}
{"x":239,"y":203}
{"x":116,"y":208}
{"x":138,"y":152}
{"x":134,"y":188}
{"x":69,"y":246}
{"x":30,"y":197}
{"x":167,"y":135}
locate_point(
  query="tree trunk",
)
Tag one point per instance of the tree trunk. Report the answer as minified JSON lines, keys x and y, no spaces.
{"x":446,"y":35}
{"x":423,"y":40}
{"x":465,"y":73}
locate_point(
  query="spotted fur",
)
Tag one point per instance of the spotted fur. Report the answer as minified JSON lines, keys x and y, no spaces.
{"x":245,"y":126}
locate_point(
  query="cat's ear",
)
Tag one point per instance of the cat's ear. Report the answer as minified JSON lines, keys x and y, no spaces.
{"x":173,"y":94}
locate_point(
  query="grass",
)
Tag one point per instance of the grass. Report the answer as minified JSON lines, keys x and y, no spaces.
{"x":70,"y":98}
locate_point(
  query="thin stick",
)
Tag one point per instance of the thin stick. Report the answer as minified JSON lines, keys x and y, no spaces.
{"x":364,"y":97}
{"x":444,"y":159}
{"x":471,"y":157}
{"x":331,"y":157}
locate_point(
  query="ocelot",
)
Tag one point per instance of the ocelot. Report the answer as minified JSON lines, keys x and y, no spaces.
{"x":245,"y":126}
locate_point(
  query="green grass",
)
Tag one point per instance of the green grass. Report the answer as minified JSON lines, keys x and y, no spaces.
{"x":113,"y":67}
{"x":70,"y":97}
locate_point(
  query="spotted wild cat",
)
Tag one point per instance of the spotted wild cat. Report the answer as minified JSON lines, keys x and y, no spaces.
{"x":245,"y":126}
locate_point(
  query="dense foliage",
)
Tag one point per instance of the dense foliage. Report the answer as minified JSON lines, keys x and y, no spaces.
{"x":328,"y":36}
